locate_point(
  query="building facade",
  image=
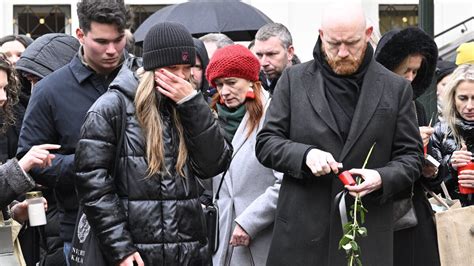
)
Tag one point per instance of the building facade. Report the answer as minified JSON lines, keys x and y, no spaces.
{"x":302,"y":17}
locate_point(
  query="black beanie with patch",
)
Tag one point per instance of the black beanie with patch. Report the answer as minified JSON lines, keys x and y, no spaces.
{"x":168,"y":44}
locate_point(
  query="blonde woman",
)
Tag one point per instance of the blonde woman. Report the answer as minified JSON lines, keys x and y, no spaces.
{"x":453,"y":139}
{"x":149,"y":212}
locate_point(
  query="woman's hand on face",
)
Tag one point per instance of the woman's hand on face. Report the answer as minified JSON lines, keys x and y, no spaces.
{"x":172,"y":86}
{"x":460,"y":158}
{"x":426,"y":133}
{"x":239,"y":237}
{"x":128,"y":261}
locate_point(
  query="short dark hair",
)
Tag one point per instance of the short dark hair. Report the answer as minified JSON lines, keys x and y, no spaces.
{"x":103,"y":11}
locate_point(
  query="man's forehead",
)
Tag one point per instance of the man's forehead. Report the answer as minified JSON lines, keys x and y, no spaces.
{"x":342,"y":35}
{"x":271,"y":44}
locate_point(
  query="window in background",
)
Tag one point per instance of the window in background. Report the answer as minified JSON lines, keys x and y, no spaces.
{"x":34,"y":21}
{"x":140,"y":14}
{"x":397,"y":16}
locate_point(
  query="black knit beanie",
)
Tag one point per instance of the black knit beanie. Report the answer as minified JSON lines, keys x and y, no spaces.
{"x":168,"y":44}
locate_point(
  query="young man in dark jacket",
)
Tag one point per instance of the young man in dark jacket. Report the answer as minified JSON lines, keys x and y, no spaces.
{"x":60,"y":101}
{"x":45,"y":55}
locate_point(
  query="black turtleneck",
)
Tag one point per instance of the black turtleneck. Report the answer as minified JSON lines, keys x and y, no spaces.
{"x":342,"y":92}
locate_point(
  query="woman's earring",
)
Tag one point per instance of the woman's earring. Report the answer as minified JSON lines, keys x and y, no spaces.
{"x":250,"y":94}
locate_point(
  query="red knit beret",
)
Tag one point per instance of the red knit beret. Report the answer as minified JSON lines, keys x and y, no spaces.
{"x":233,"y":61}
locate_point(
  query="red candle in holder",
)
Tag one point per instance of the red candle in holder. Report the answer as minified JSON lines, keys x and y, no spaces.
{"x":466,"y":190}
{"x":346,"y":178}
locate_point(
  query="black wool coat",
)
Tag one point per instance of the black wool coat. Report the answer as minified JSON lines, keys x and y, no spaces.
{"x":308,"y":227}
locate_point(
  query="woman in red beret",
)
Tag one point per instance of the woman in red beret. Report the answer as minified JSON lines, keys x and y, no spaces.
{"x":249,"y":191}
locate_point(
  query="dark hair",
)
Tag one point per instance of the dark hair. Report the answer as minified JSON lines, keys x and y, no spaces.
{"x":103,"y":11}
{"x":12,"y":91}
{"x":23,"y":39}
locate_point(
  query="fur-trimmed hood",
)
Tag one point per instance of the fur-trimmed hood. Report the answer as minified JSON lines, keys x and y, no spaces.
{"x":396,"y":45}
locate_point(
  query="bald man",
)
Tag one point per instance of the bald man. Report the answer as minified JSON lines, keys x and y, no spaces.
{"x":326,"y":113}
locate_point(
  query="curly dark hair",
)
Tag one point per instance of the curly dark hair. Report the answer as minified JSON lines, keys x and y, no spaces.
{"x":12,"y":90}
{"x":103,"y":11}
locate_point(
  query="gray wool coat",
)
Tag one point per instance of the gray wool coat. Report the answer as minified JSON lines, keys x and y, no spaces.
{"x":13,"y":182}
{"x":248,"y":197}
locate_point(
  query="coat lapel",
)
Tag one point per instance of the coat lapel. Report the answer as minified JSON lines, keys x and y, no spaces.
{"x":369,"y":99}
{"x":317,"y":97}
{"x":237,"y":142}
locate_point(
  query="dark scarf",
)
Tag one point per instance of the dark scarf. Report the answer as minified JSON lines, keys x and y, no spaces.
{"x":342,"y":92}
{"x":466,"y":130}
{"x":230,"y":119}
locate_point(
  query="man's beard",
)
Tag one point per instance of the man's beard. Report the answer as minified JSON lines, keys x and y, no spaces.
{"x":346,"y":66}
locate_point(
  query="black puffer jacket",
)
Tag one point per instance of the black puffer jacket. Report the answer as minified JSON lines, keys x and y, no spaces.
{"x":160,"y":216}
{"x":443,"y":147}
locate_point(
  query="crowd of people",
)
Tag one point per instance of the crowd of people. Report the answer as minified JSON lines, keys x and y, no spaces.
{"x":138,"y":146}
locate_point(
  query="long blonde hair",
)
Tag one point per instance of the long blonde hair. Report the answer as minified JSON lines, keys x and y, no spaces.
{"x":147,"y":103}
{"x":450,"y":113}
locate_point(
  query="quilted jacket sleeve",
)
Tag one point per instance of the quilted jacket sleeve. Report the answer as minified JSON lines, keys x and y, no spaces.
{"x":209,"y":151}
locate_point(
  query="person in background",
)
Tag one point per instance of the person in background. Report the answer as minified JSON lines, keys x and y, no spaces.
{"x":328,"y":111}
{"x":412,"y":54}
{"x":45,"y":55}
{"x":60,"y":101}
{"x":11,"y":121}
{"x":214,"y":41}
{"x":130,"y":44}
{"x":14,"y":45}
{"x":465,"y":53}
{"x":149,"y":213}
{"x":444,"y":69}
{"x":14,"y":180}
{"x":453,"y":139}
{"x":198,"y":71}
{"x":274,"y":49}
{"x":249,"y":194}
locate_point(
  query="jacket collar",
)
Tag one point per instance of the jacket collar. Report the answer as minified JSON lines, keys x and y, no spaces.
{"x":79,"y":70}
{"x":317,"y":96}
{"x":127,"y":79}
